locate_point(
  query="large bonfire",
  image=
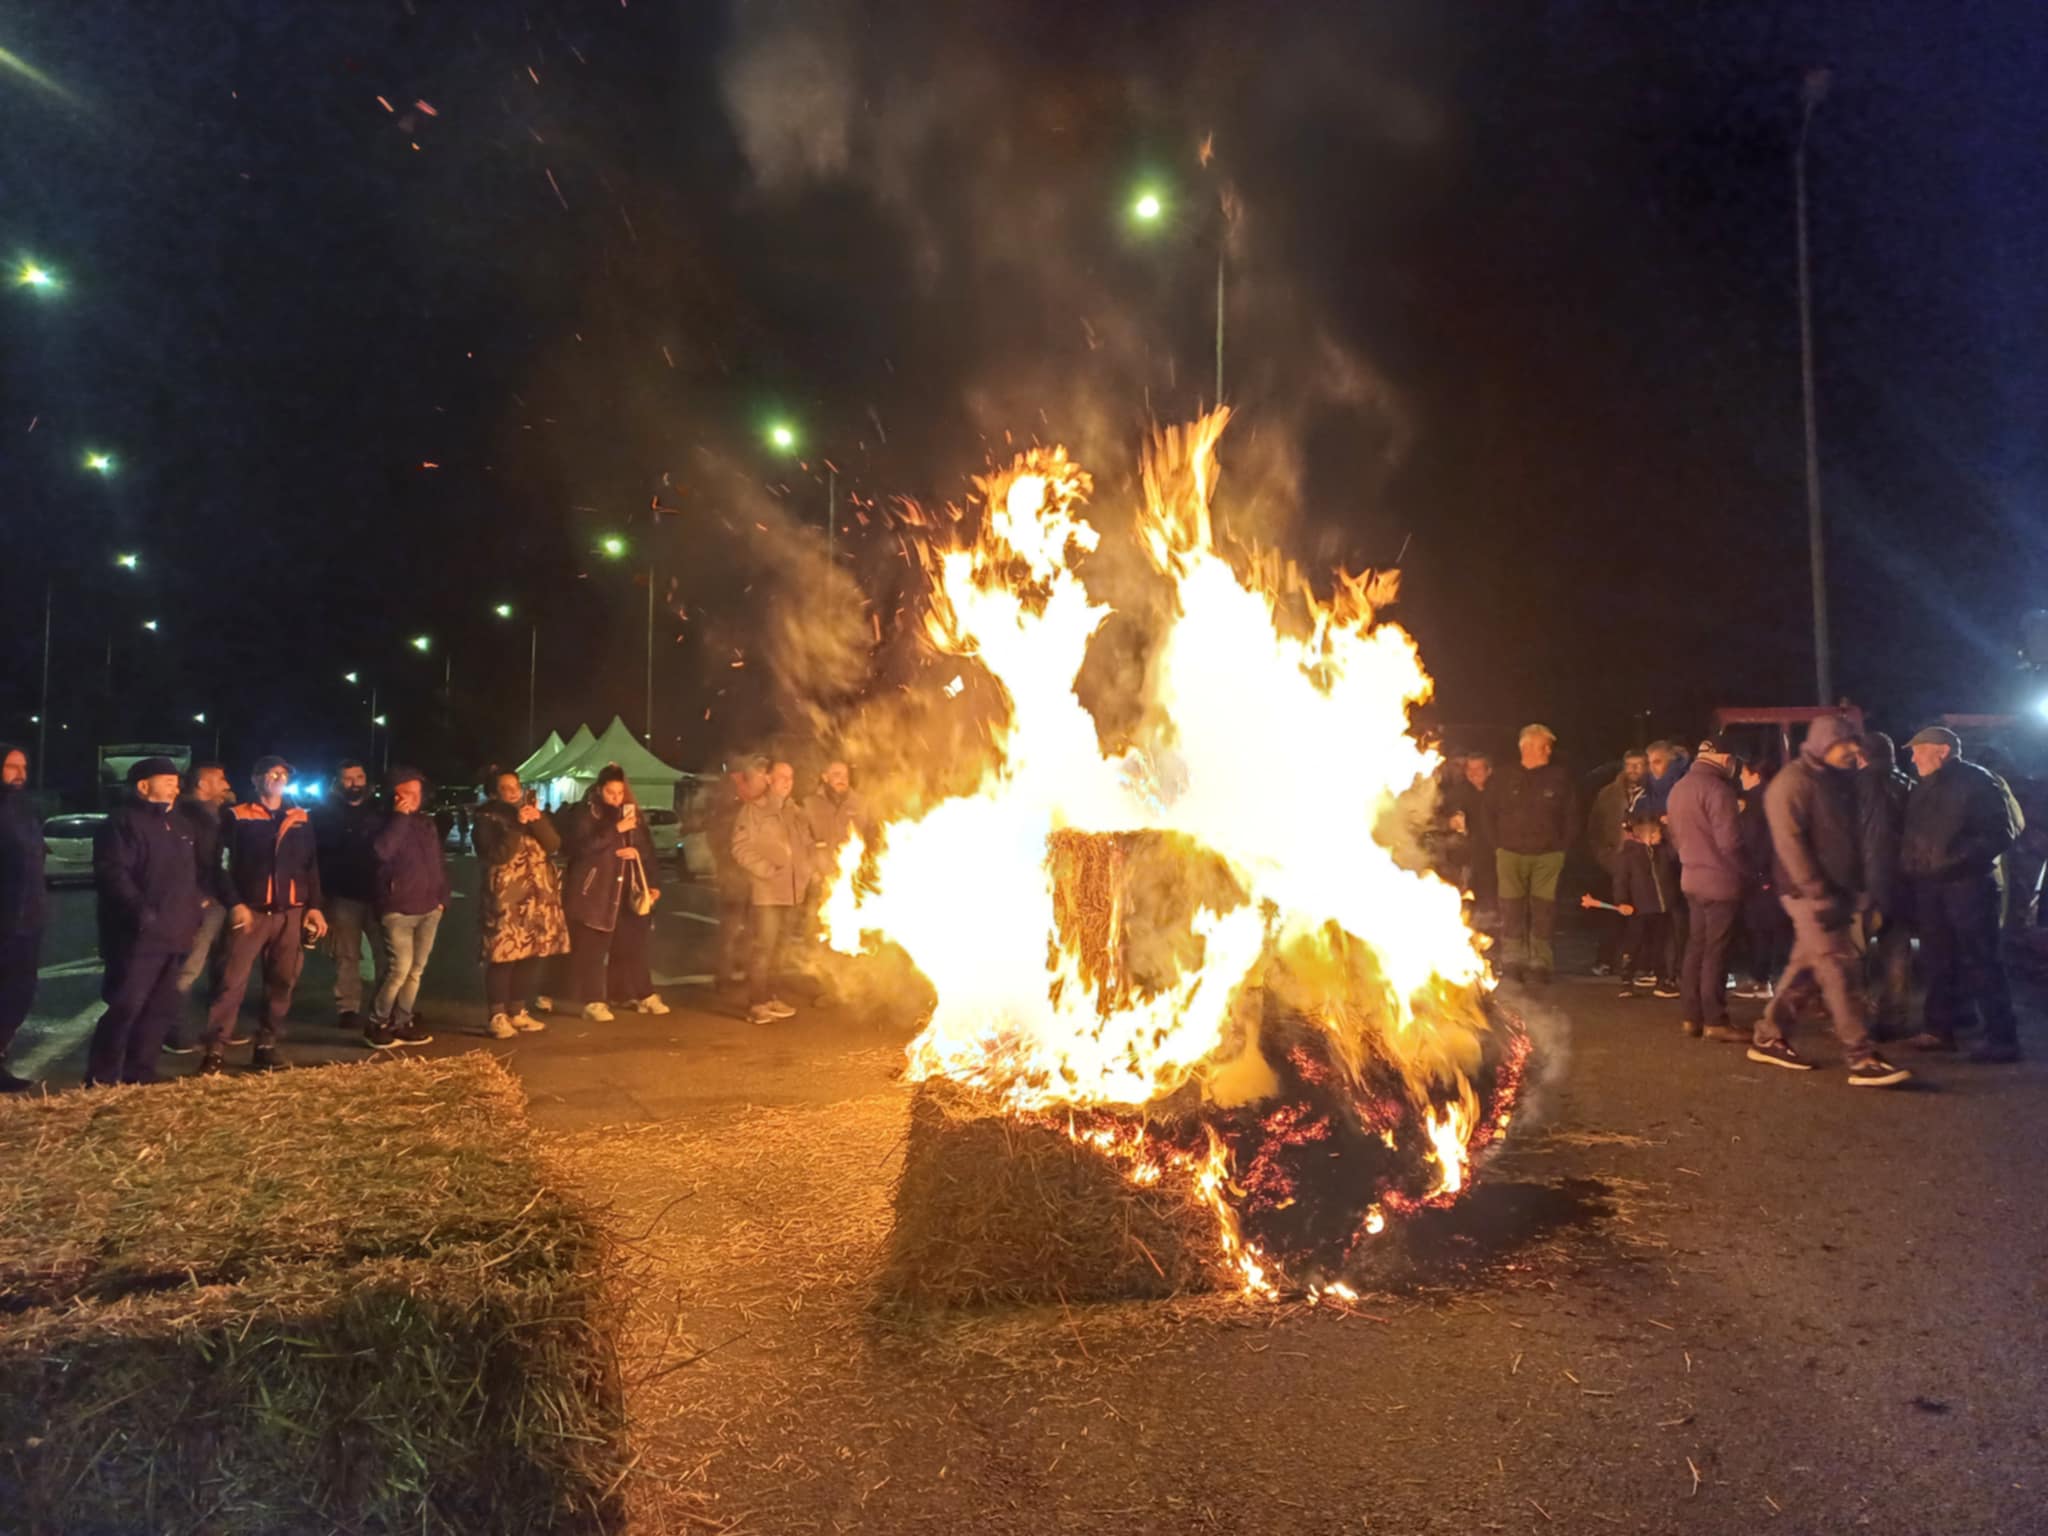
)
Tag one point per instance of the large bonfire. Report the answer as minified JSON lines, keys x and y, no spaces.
{"x":1193,"y":951}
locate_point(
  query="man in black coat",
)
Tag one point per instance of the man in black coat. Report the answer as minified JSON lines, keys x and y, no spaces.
{"x":23,"y":909}
{"x":1958,"y":821}
{"x":202,"y":811}
{"x":345,"y":830}
{"x":1535,"y":819}
{"x":148,"y":878}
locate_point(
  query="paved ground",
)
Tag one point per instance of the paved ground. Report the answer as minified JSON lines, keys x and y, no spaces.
{"x":1691,"y":1294}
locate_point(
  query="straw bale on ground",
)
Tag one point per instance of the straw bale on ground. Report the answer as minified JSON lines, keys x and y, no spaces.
{"x":350,"y":1299}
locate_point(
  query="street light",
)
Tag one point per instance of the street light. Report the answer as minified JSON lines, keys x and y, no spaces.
{"x":1147,"y":207}
{"x":1813,"y":90}
{"x":380,"y":720}
{"x":150,"y":625}
{"x":129,"y":562}
{"x":100,"y":463}
{"x":613,"y":547}
{"x":351,"y":678}
{"x":34,"y":275}
{"x":422,"y":643}
{"x":505,"y":611}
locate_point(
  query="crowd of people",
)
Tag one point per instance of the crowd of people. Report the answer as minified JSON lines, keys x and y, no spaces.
{"x":1826,"y":875}
{"x":196,"y":890}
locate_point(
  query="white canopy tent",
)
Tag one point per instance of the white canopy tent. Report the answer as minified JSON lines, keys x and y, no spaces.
{"x":569,"y":778}
{"x":543,"y":754}
{"x":541,"y":776}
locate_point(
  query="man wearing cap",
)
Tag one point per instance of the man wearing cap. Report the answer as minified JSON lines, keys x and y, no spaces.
{"x":1703,"y":820}
{"x":147,"y":876}
{"x":273,"y":877}
{"x":1958,"y":821}
{"x":1534,"y":822}
{"x":24,"y":905}
{"x":1817,"y":866}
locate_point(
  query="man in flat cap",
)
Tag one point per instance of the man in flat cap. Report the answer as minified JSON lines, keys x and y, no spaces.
{"x":148,"y":879}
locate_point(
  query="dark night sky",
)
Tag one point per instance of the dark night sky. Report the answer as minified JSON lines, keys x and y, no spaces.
{"x":1513,"y":282}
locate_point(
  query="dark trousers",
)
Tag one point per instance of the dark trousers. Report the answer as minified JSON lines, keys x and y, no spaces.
{"x":1888,"y":977}
{"x":1644,"y":936}
{"x":763,"y":969}
{"x":734,"y":908}
{"x":1766,"y":935}
{"x":1703,"y":973}
{"x":20,"y":959}
{"x":509,"y":985}
{"x":273,"y":938}
{"x":1959,"y":944}
{"x":141,"y":992}
{"x":611,"y":967}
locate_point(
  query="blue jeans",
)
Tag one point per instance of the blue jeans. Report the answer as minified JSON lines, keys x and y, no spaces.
{"x":408,"y":942}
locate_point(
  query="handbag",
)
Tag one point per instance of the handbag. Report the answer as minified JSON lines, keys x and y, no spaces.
{"x":644,"y":894}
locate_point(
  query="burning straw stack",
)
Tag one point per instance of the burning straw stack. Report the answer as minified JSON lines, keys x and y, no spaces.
{"x":346,"y":1299}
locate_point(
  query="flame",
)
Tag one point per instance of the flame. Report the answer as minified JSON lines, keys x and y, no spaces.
{"x":1274,"y":735}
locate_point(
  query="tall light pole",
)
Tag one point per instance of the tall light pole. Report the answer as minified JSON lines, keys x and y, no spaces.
{"x":1149,"y":209}
{"x":782,"y":437}
{"x":43,"y":710}
{"x":506,"y":611}
{"x":614,"y":547}
{"x":1813,"y":91}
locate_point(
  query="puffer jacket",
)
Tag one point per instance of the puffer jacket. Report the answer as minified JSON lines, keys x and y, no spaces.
{"x":1704,"y":831}
{"x":595,"y":892}
{"x":1958,"y":821}
{"x":772,"y":842}
{"x":1815,"y":852}
{"x":272,"y":860}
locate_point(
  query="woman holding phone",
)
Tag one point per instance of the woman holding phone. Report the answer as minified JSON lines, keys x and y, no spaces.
{"x":523,"y":922}
{"x":610,"y":900}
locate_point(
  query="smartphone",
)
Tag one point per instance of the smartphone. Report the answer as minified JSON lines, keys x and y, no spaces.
{"x":533,"y":797}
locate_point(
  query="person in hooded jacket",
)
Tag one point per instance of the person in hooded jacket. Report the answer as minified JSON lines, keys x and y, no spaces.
{"x":1818,"y":861}
{"x":1705,"y":823}
{"x":147,"y":877}
{"x":24,"y":908}
{"x":1959,"y":820}
{"x":609,"y":899}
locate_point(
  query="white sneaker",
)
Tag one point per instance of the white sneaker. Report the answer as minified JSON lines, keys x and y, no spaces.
{"x":526,"y":1023}
{"x":500,"y":1027}
{"x":778,"y":1009}
{"x":597,"y":1013}
{"x":544,"y":1004}
{"x":651,"y":1003}
{"x":762,"y":1013}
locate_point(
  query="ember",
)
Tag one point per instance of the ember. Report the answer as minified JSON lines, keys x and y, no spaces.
{"x":1210,"y":972}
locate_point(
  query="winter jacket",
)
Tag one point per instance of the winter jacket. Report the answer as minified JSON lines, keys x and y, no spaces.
{"x":1607,"y":826}
{"x":1641,"y":879}
{"x":598,"y":878}
{"x":1958,"y":821}
{"x":1536,"y":811}
{"x":1464,"y":798}
{"x":346,"y":835}
{"x":521,"y":908}
{"x":1815,"y":854}
{"x":1881,"y":796}
{"x":1754,"y":825}
{"x":412,"y":875}
{"x":1657,"y":787}
{"x":772,"y":843}
{"x":272,"y":862}
{"x":833,"y":819}
{"x":733,"y":882}
{"x":24,"y":906}
{"x":148,"y":879}
{"x":206,"y":822}
{"x":1703,"y":827}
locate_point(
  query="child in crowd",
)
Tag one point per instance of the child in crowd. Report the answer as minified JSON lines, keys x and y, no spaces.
{"x":1643,"y":894}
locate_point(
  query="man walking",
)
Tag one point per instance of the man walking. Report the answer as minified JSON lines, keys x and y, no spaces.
{"x":1534,"y":821}
{"x":772,"y":843}
{"x":273,"y":878}
{"x":148,"y":881}
{"x":1958,"y":821}
{"x":344,"y":828}
{"x":202,"y":811}
{"x":412,"y":892}
{"x":1812,"y":813}
{"x":24,"y":908}
{"x":1703,"y":819}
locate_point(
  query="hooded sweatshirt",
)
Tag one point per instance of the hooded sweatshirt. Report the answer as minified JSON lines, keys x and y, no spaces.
{"x":1812,"y":812}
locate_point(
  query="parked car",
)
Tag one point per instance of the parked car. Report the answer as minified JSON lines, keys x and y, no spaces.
{"x":68,"y":844}
{"x":665,"y":829}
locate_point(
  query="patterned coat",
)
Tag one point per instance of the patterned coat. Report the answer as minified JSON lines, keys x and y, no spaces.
{"x":522,"y":894}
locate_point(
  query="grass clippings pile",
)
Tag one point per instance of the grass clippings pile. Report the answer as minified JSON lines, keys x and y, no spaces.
{"x":351,"y":1299}
{"x":994,"y":1210}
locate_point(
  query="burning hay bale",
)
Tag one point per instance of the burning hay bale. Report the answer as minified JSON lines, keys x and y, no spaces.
{"x":340,"y":1300}
{"x":994,"y":1209}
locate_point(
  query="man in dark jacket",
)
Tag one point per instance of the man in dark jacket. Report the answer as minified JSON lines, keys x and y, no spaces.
{"x":1703,"y":821}
{"x":1881,"y":794}
{"x":1958,"y":821}
{"x":344,"y":827}
{"x":412,"y":892}
{"x":745,"y":783}
{"x":202,"y":810}
{"x":1818,"y":867}
{"x":1607,"y":831}
{"x":273,"y":878}
{"x":1535,"y":820}
{"x":23,"y":908}
{"x":148,"y":880}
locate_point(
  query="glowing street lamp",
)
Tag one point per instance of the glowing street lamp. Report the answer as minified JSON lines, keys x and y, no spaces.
{"x":613,"y":546}
{"x":503,"y":610}
{"x":1147,"y":207}
{"x":351,"y":678}
{"x":128,"y":562}
{"x":150,"y":625}
{"x":199,"y":718}
{"x":422,"y":643}
{"x":782,"y":435}
{"x":100,"y":463}
{"x":380,"y":720}
{"x":32,"y":275}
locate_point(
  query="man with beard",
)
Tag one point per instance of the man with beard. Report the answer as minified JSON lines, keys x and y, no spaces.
{"x":273,"y":878}
{"x":772,"y":843}
{"x":345,"y":831}
{"x":148,"y":883}
{"x":1468,"y":797}
{"x":24,"y":907}
{"x":1607,"y":832}
{"x":834,"y":813}
{"x":1818,"y":868}
{"x":1535,"y":821}
{"x":1959,"y":820}
{"x":202,"y":811}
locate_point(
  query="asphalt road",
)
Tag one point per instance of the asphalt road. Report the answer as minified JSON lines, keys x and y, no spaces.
{"x":1691,"y":1294}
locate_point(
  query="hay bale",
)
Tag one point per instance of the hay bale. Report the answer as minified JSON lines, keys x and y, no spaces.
{"x":994,"y":1209}
{"x":345,"y":1300}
